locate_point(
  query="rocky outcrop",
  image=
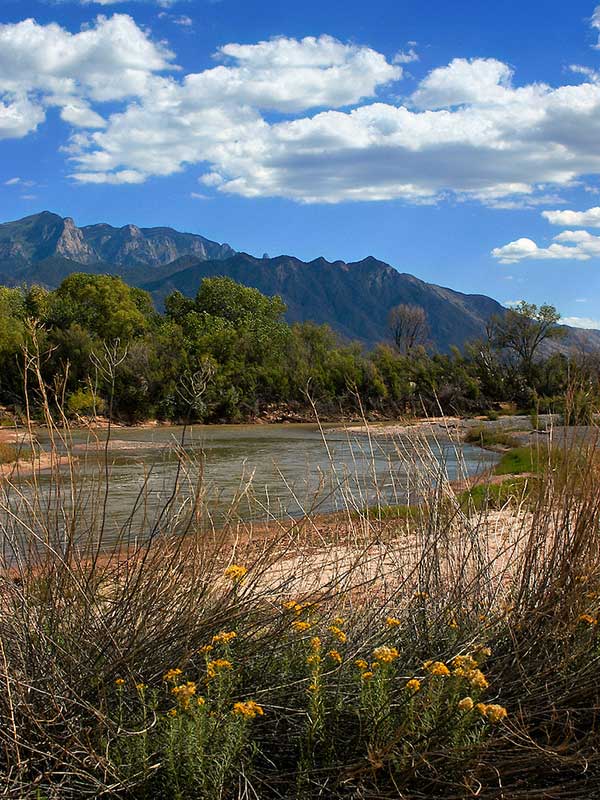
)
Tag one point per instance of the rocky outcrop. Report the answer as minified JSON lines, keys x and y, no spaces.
{"x":46,"y":235}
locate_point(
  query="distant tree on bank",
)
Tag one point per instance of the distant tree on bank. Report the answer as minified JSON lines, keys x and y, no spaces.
{"x":408,"y":327}
{"x":523,"y":329}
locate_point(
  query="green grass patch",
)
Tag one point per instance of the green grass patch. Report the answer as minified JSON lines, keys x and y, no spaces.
{"x":494,"y":495}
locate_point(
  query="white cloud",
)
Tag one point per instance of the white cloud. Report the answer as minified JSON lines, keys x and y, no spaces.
{"x":589,"y":218}
{"x":595,"y":21}
{"x":303,"y":119}
{"x":581,"y":322}
{"x":568,"y":245}
{"x":177,"y":19}
{"x":45,"y":65}
{"x":160,"y":3}
{"x":406,"y":56}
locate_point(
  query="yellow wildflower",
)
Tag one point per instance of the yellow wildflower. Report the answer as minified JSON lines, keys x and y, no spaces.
{"x":172,"y":675}
{"x":224,"y":637}
{"x":213,"y":667}
{"x":300,"y":626}
{"x":293,"y":605}
{"x":313,"y":659}
{"x":481,"y":708}
{"x":421,"y":596}
{"x":496,"y":713}
{"x":140,"y":687}
{"x":337,"y":633}
{"x":235,"y":572}
{"x":393,"y":622}
{"x":336,"y":656}
{"x":467,"y":662}
{"x":338,"y":621}
{"x":366,"y":676}
{"x":413,"y":685}
{"x":315,"y":643}
{"x":361,"y":664}
{"x":385,"y":655}
{"x":200,"y":701}
{"x":173,"y":712}
{"x":206,"y":648}
{"x":477,"y":679}
{"x":466,"y":704}
{"x":119,"y":681}
{"x":248,"y":709}
{"x":184,"y":693}
{"x":437,"y":668}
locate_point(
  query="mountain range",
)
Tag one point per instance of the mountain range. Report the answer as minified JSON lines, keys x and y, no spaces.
{"x":353,"y":298}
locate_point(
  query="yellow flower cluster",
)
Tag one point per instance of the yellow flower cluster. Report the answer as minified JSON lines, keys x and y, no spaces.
{"x":224,"y":637}
{"x":336,"y":656}
{"x":214,"y":667}
{"x":466,"y":704}
{"x":235,"y":572}
{"x":184,"y":693}
{"x":172,"y":675}
{"x":338,"y":620}
{"x":362,"y":664}
{"x":393,"y":622}
{"x":421,"y":596}
{"x":464,"y":662}
{"x":413,"y":685}
{"x":206,"y":648}
{"x":119,"y":681}
{"x":437,"y":668}
{"x":293,"y":605}
{"x":301,"y":626}
{"x":385,"y":655}
{"x":248,"y":709}
{"x":492,"y":712}
{"x":366,"y":675}
{"x":337,"y":633}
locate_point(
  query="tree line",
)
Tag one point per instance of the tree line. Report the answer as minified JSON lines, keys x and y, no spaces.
{"x":229,"y":355}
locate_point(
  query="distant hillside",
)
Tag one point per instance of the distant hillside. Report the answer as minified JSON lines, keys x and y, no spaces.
{"x":354,"y":298}
{"x":35,"y":239}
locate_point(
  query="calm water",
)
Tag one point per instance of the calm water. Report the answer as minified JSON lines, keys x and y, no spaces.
{"x":268,"y":471}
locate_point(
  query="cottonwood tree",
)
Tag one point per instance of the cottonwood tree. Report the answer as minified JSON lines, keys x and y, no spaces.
{"x":408,"y":327}
{"x":522,"y":330}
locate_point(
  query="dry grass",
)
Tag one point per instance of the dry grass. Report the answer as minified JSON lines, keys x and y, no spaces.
{"x":88,"y":613}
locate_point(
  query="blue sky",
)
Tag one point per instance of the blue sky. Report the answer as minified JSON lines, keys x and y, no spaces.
{"x":457,"y":141}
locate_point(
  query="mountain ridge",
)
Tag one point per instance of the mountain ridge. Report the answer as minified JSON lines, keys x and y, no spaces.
{"x":354,"y":298}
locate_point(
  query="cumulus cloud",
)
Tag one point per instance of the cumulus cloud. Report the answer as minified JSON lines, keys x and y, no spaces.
{"x":45,"y":65}
{"x":306,"y":119}
{"x":581,"y":322}
{"x":568,"y":245}
{"x":584,"y":219}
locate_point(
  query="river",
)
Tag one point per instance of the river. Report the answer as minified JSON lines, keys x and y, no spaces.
{"x":267,"y":471}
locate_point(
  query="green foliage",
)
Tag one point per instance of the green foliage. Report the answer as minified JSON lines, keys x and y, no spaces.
{"x":495,"y":495}
{"x":236,"y":343}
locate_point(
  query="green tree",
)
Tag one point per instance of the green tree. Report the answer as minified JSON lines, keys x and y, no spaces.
{"x":523,"y":329}
{"x":105,"y":305}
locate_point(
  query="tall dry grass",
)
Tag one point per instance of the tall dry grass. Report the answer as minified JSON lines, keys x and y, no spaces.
{"x":94,"y":620}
